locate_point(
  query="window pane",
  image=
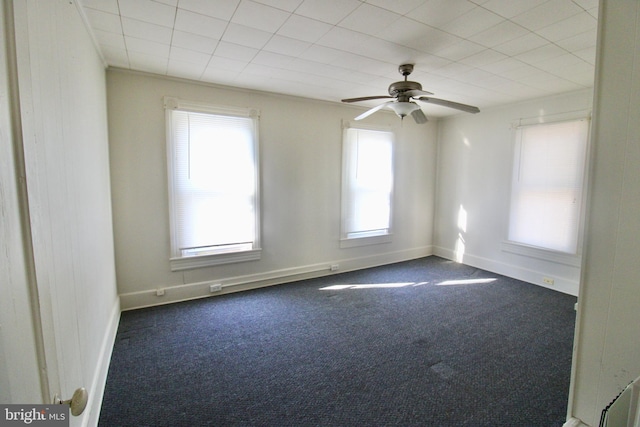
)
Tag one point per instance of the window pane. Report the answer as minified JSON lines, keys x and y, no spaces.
{"x":214,"y":181}
{"x":368,"y":182}
{"x":547,"y":188}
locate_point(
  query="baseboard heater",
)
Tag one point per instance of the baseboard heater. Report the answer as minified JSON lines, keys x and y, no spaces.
{"x":624,"y":410}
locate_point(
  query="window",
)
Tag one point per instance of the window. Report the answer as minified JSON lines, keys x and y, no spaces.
{"x":547,"y":188}
{"x":367,"y":186}
{"x":213,"y":184}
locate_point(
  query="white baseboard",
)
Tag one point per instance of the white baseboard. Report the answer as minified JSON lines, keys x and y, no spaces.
{"x":561,"y":284}
{"x":99,"y":380}
{"x":183,"y":292}
{"x":574,"y":422}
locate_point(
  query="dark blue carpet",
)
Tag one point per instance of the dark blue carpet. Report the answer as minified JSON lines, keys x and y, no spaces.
{"x":388,"y":346}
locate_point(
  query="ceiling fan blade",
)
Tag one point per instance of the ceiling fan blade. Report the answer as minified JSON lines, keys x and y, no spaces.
{"x":415,"y":92}
{"x":419,"y":116}
{"x":373,"y":110}
{"x":450,"y":104}
{"x":366,"y":98}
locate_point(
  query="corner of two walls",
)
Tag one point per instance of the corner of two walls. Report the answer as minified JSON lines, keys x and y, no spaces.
{"x":301,"y":161}
{"x":475,"y":160}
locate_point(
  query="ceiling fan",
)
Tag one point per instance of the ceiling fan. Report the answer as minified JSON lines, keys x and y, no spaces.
{"x":403,"y":94}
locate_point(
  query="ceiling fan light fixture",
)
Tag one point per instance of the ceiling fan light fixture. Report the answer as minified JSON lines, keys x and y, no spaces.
{"x":403,"y":109}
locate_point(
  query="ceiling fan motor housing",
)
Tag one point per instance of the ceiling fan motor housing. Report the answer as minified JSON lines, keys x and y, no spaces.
{"x":398,"y":88}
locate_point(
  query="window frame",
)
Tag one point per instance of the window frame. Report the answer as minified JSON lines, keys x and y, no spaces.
{"x":540,"y":252}
{"x":364,"y":238}
{"x":178,"y":261}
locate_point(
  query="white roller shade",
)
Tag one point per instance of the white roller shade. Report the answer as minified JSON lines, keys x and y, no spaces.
{"x":547,"y":189}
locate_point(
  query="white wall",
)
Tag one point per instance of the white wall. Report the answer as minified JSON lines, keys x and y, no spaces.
{"x":301,"y":167}
{"x":475,"y":161}
{"x":607,"y":350}
{"x":64,"y":126}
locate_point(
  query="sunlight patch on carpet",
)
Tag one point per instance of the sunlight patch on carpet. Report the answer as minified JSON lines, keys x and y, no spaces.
{"x":371,"y":286}
{"x":465,"y":282}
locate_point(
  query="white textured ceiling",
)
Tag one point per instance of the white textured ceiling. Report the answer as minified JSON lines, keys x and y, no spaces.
{"x":478,"y":52}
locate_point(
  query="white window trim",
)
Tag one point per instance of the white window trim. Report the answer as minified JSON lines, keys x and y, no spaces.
{"x":573,"y":260}
{"x":545,"y":254}
{"x":352,"y":242}
{"x":179,"y":263}
{"x":364,"y":238}
{"x":199,"y":261}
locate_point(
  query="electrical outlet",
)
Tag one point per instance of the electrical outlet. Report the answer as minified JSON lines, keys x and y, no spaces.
{"x":548,"y":280}
{"x":215,"y":287}
{"x":335,"y":267}
{"x":159,"y":292}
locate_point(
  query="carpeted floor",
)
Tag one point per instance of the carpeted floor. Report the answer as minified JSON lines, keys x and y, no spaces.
{"x":427,"y":342}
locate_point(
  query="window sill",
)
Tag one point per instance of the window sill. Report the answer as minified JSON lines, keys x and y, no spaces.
{"x":364,"y":241}
{"x":188,"y":263}
{"x":557,"y":257}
